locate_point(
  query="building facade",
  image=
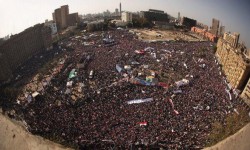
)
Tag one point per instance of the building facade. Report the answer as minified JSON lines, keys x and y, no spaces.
{"x":127,"y":17}
{"x":179,"y":16}
{"x":235,"y":63}
{"x":64,"y":14}
{"x":245,"y":95}
{"x":215,"y":26}
{"x":222,"y":30}
{"x":154,"y":15}
{"x":63,"y":19}
{"x":188,"y":22}
{"x":21,"y":47}
{"x":164,"y":25}
{"x":233,"y":39}
{"x":205,"y":34}
{"x":116,"y":12}
{"x":73,"y":19}
{"x":58,"y":18}
{"x":120,"y":9}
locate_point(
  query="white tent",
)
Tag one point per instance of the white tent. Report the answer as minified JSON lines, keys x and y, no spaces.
{"x":35,"y":94}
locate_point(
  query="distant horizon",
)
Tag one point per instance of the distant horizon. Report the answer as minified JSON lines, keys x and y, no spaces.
{"x":231,"y":13}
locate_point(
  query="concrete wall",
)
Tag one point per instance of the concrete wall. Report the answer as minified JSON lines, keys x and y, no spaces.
{"x":188,"y":22}
{"x":238,"y":141}
{"x":15,"y":137}
{"x":63,"y":19}
{"x":58,"y":18}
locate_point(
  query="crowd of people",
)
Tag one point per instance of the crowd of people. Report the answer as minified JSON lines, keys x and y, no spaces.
{"x":176,"y":117}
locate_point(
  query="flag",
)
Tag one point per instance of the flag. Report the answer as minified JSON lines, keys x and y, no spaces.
{"x":139,"y":51}
{"x":144,"y":123}
{"x":162,"y":84}
{"x":176,"y":112}
{"x":171,"y":102}
{"x":172,"y":105}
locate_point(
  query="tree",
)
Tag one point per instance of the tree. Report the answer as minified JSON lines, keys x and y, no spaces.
{"x":136,"y":23}
{"x":110,"y":24}
{"x":141,"y":23}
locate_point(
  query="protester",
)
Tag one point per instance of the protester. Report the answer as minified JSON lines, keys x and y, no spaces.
{"x":98,"y":112}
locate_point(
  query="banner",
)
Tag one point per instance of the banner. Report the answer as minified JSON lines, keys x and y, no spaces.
{"x":138,"y":101}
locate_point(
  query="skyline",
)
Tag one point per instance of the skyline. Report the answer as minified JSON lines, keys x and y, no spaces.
{"x":231,"y":13}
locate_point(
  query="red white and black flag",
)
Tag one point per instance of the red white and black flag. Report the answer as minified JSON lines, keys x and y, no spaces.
{"x":144,"y":123}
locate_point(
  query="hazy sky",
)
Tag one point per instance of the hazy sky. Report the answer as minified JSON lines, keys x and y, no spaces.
{"x":17,"y":15}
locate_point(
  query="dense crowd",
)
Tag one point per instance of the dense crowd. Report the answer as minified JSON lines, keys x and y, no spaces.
{"x":103,"y":117}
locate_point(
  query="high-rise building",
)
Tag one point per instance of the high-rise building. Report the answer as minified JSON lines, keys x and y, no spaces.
{"x":116,"y":12}
{"x":222,"y":30}
{"x":203,"y":32}
{"x":156,"y":11}
{"x":64,"y":14}
{"x":215,"y":27}
{"x":202,"y":26}
{"x":179,"y":16}
{"x":53,"y":16}
{"x":58,"y":18}
{"x":63,"y":19}
{"x":120,"y":9}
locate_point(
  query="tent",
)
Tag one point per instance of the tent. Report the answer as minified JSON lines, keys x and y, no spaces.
{"x":35,"y":94}
{"x":72,"y":73}
{"x":118,"y":68}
